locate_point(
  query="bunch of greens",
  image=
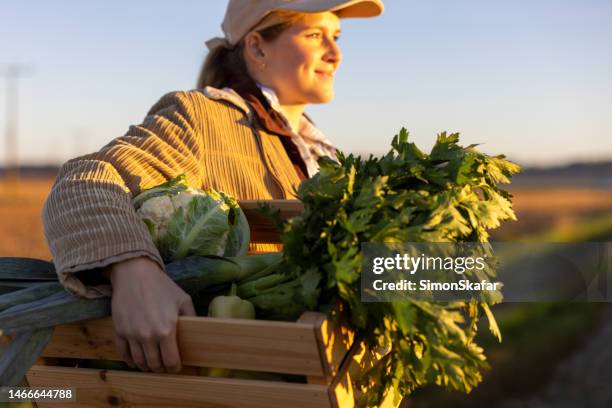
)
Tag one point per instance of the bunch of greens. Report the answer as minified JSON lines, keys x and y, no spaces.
{"x":448,"y":195}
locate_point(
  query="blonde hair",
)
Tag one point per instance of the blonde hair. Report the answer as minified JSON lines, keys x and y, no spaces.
{"x":225,"y":67}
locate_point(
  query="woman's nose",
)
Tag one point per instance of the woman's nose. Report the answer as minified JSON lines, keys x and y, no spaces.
{"x":333,"y":53}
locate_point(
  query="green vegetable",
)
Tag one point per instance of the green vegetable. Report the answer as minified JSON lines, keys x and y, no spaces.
{"x":29,"y":294}
{"x":185,"y":221}
{"x":15,"y":268}
{"x":231,"y":307}
{"x":60,"y":307}
{"x":448,"y":195}
{"x":21,"y":354}
{"x":280,"y":296}
{"x":9,"y":286}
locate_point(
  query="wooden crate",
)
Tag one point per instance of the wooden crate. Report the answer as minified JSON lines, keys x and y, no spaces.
{"x":320,"y":348}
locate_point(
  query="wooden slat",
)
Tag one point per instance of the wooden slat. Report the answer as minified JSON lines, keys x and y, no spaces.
{"x":262,"y":231}
{"x":315,"y":319}
{"x":101,"y":388}
{"x":288,"y":208}
{"x":334,"y":338}
{"x":257,"y":345}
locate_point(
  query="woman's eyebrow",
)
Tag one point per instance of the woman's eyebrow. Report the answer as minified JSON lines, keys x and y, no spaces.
{"x":323,"y":28}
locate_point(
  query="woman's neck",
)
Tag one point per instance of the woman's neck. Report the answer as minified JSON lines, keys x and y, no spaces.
{"x":293,"y":113}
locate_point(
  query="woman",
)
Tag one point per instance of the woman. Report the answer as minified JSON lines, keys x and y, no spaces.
{"x":243,"y":131}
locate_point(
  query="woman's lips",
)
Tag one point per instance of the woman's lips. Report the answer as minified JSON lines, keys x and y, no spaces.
{"x":324,"y":74}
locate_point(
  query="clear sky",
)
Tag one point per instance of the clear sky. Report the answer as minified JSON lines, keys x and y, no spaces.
{"x":530,"y":79}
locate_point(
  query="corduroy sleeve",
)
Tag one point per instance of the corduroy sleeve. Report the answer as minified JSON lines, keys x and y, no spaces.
{"x":88,"y":218}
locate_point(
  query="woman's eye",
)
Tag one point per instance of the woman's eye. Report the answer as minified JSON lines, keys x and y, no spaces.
{"x":319,"y":36}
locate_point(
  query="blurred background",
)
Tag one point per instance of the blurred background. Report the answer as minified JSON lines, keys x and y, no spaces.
{"x":531,"y":80}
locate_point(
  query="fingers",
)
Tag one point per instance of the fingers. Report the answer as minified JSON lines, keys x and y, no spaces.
{"x":158,"y":353}
{"x":170,"y":354}
{"x":123,"y":349}
{"x":168,"y":345}
{"x":145,"y":308}
{"x":186,"y":308}
{"x":152,"y":356}
{"x":138,"y":355}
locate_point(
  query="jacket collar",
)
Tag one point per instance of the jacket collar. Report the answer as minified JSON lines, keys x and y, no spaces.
{"x":231,"y":96}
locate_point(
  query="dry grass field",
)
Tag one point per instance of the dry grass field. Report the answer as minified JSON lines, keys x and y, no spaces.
{"x":543,"y":209}
{"x":538,"y":209}
{"x":21,"y":231}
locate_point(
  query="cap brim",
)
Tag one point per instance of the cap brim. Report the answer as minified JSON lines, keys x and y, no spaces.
{"x":344,"y":8}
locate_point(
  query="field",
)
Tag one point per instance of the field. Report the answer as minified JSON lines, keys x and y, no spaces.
{"x":543,"y":211}
{"x":21,"y":231}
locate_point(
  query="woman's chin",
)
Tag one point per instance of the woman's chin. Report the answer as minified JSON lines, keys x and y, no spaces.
{"x":323,"y":97}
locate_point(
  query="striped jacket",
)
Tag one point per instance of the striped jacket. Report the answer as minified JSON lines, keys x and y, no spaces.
{"x":212,"y":135}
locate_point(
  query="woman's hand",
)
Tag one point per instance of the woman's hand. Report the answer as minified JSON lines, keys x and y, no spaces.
{"x":146,"y":304}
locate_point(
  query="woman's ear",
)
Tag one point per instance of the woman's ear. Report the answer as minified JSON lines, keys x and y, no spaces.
{"x":253,"y":48}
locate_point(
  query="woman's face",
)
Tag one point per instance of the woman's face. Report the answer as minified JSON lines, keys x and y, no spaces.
{"x":300,"y":64}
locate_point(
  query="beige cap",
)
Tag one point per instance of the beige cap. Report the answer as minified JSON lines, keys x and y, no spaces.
{"x":242,"y":15}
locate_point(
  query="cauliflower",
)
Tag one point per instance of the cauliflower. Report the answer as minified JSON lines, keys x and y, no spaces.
{"x":156,"y":213}
{"x":184,"y":197}
{"x":185,"y":221}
